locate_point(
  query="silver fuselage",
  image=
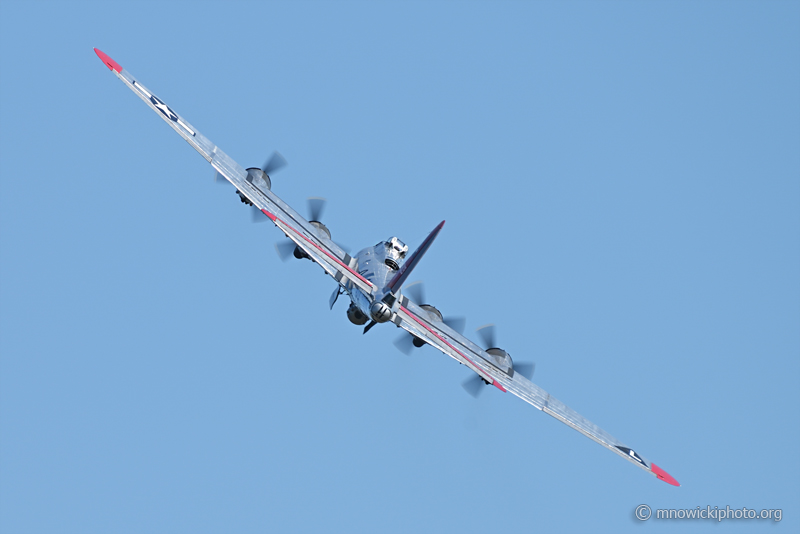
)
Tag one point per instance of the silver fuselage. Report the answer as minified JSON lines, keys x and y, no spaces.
{"x":372,"y":265}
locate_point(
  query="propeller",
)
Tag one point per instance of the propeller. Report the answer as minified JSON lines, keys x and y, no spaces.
{"x":526,"y":369}
{"x":474,"y":385}
{"x":285,"y":248}
{"x":275,"y":162}
{"x":316,"y":206}
{"x":415,"y":291}
{"x":456,"y":323}
{"x":405,"y":343}
{"x":488,"y":334}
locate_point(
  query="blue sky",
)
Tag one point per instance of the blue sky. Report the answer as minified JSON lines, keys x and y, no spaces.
{"x":621,"y":185}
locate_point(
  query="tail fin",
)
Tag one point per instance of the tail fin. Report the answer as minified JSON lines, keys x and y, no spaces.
{"x":412,"y":261}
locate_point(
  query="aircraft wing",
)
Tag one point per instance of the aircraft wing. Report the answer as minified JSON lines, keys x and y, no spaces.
{"x":428,"y":328}
{"x":338,"y":264}
{"x":335,"y":261}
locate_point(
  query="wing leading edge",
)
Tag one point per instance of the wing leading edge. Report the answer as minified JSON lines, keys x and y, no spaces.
{"x":337,"y":263}
{"x":416,"y":321}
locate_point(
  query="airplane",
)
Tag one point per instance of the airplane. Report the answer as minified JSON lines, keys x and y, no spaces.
{"x":373,"y":280}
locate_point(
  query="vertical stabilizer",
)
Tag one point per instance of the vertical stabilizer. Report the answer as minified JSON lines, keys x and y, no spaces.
{"x":412,"y":261}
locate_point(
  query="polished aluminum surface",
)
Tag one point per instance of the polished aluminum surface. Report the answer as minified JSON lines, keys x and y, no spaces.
{"x":365,"y":280}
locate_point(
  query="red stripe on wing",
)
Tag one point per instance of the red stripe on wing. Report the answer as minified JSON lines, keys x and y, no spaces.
{"x":274,"y":218}
{"x":495,"y":383}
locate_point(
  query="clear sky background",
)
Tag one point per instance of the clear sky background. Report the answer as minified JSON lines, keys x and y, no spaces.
{"x":621,"y":184}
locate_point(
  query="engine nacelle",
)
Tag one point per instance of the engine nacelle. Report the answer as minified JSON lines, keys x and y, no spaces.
{"x":380,"y":311}
{"x":323,"y":230}
{"x":502,"y":360}
{"x":355,"y":315}
{"x":259,"y":178}
{"x":434,"y":314}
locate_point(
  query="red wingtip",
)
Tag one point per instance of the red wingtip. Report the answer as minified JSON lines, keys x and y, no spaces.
{"x":110,"y":63}
{"x":663,"y":475}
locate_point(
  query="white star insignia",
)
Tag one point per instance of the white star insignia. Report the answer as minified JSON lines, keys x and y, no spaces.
{"x":163,"y":108}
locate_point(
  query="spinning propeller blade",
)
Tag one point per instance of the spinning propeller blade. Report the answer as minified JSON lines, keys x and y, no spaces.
{"x":473,"y":385}
{"x":526,"y":369}
{"x":405,"y":343}
{"x":285,"y":248}
{"x":316,"y":205}
{"x":456,"y":323}
{"x":488,"y":335}
{"x":219,"y":179}
{"x":275,"y":162}
{"x":416,"y":292}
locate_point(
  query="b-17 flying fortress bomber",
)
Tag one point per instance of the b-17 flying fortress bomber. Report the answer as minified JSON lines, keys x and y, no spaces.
{"x":373,"y":281}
